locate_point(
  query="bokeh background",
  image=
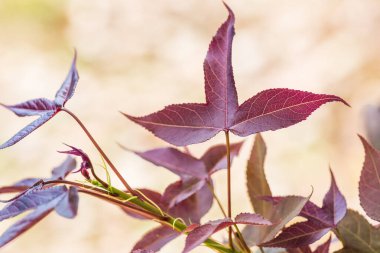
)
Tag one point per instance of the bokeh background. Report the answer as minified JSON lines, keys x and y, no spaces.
{"x":137,"y":56}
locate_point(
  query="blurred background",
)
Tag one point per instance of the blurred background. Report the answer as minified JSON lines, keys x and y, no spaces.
{"x":137,"y":56}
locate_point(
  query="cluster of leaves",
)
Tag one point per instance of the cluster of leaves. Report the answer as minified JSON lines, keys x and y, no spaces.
{"x":183,"y":204}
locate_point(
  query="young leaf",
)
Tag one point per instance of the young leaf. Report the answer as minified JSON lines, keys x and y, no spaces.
{"x":357,"y":234}
{"x":86,"y":162}
{"x":201,"y":233}
{"x":155,"y":239}
{"x":184,"y":124}
{"x":256,"y":181}
{"x":44,"y":108}
{"x":280,"y":214}
{"x":369,"y":184}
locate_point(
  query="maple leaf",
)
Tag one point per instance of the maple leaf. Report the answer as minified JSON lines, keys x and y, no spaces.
{"x":43,"y":107}
{"x":357,"y":234}
{"x":199,"y":203}
{"x":155,"y":239}
{"x":320,"y":220}
{"x":199,"y":234}
{"x":43,"y":201}
{"x":369,"y":184}
{"x":282,"y":211}
{"x":195,"y":173}
{"x":297,"y":235}
{"x":257,"y":184}
{"x":184,"y":124}
{"x":333,"y":209}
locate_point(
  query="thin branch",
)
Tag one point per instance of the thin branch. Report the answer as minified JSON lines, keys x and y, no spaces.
{"x":229,"y":186}
{"x":129,"y":188}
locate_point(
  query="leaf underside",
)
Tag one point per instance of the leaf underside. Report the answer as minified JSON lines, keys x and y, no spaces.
{"x":357,"y":234}
{"x":257,"y":184}
{"x":43,"y":107}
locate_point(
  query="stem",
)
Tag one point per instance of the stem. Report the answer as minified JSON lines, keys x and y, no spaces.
{"x":261,"y":250}
{"x":142,"y":208}
{"x":168,"y":220}
{"x":79,"y":185}
{"x":229,"y":186}
{"x":238,"y":233}
{"x":119,"y":203}
{"x":97,"y":178}
{"x":129,"y":188}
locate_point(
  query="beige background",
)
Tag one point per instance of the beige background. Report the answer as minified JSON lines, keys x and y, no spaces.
{"x":137,"y":56}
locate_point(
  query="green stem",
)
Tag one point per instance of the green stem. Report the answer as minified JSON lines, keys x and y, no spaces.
{"x":140,"y":207}
{"x":129,"y":188}
{"x":166,"y":219}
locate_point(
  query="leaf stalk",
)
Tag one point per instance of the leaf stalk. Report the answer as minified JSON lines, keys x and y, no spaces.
{"x":100,"y":150}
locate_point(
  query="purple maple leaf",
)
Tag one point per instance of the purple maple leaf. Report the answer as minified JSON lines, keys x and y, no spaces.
{"x":369,"y":184}
{"x":43,"y":107}
{"x":155,"y":239}
{"x":320,"y":220}
{"x":298,"y":235}
{"x":199,"y":234}
{"x":43,"y":201}
{"x":194,"y":172}
{"x":184,"y":124}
